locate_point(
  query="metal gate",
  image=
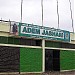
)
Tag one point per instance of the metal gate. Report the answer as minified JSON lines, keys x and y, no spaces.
{"x":9,"y":59}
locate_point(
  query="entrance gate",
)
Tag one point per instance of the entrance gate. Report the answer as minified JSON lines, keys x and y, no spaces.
{"x":52,"y":60}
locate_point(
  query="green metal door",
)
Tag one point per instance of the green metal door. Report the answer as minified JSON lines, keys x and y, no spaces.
{"x":30,"y":60}
{"x":67,"y":60}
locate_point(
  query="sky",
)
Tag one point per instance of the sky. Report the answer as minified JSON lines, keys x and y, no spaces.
{"x":11,"y":9}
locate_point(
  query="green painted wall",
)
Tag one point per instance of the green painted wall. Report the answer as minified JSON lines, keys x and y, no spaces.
{"x":52,"y":44}
{"x":30,"y":60}
{"x":3,"y":39}
{"x":9,"y":40}
{"x":67,"y":60}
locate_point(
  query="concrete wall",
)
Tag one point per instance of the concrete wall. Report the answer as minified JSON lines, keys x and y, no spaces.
{"x":5,"y":29}
{"x":72,"y":37}
{"x":4,"y":34}
{"x":4,"y":26}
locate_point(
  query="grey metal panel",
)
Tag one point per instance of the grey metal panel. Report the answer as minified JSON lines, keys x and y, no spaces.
{"x":9,"y":59}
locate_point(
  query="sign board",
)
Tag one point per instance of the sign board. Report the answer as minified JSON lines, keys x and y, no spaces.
{"x":35,"y":31}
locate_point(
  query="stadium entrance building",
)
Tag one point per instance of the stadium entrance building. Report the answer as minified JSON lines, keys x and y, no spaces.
{"x":32,"y":48}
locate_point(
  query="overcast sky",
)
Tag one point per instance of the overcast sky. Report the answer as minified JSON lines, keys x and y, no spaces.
{"x":10,"y":9}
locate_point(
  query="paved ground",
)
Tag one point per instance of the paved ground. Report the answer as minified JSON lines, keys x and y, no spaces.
{"x":48,"y":73}
{"x":55,"y":73}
